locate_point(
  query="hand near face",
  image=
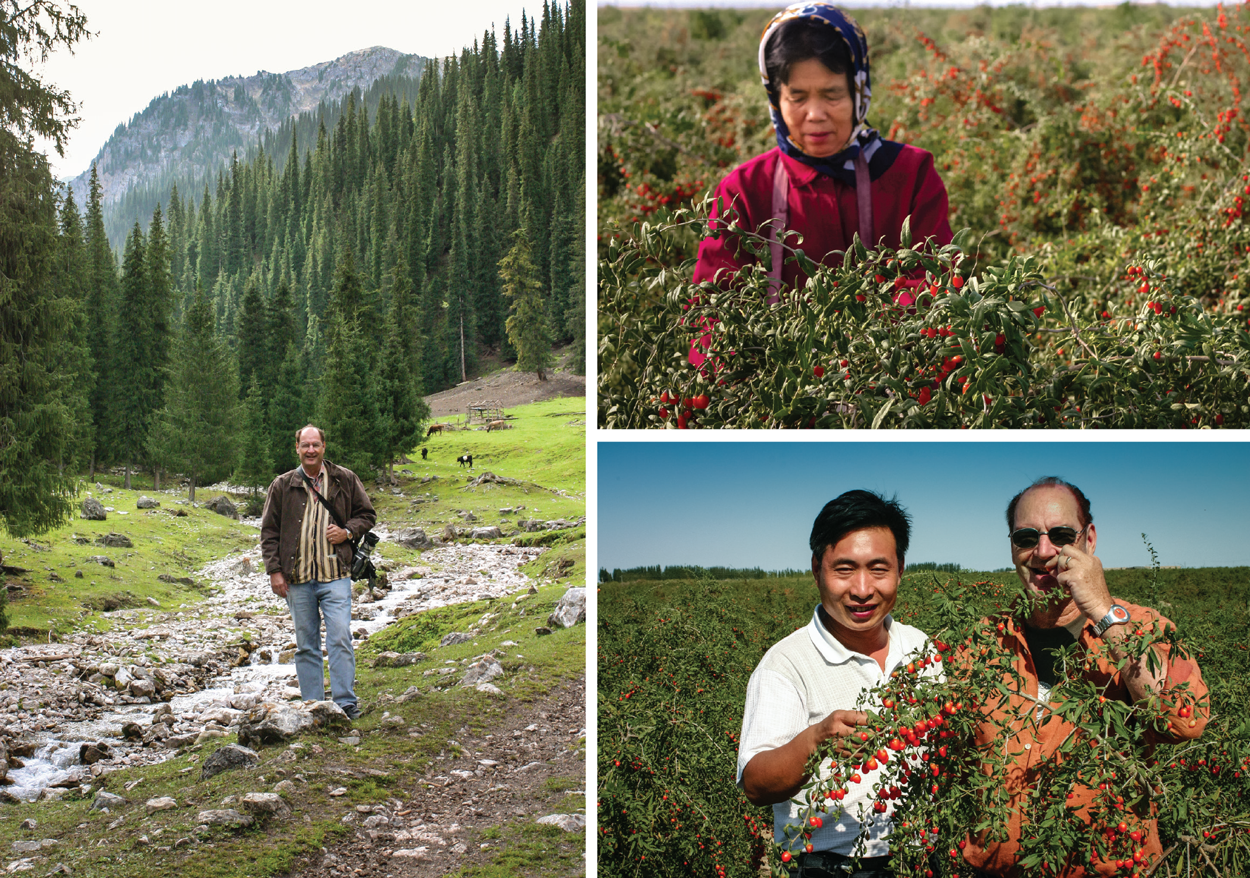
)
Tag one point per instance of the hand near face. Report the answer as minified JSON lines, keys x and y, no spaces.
{"x":1080,"y":574}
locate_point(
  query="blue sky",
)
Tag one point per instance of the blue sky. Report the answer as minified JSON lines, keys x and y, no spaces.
{"x":751,"y":504}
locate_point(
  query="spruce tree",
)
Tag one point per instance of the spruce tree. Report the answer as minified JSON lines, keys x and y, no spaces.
{"x":74,"y":353}
{"x":196,"y":433}
{"x":288,"y":410}
{"x":133,"y":392}
{"x":102,"y":308}
{"x":527,"y":321}
{"x":252,"y":332}
{"x":255,"y":468}
{"x":403,"y":411}
{"x":36,"y":408}
{"x":347,"y":407}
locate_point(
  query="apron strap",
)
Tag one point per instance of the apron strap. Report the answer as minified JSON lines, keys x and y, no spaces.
{"x":863,"y":195}
{"x":781,"y":214}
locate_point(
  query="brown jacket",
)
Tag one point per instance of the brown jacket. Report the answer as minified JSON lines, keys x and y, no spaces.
{"x":1006,"y":724}
{"x":284,"y":512}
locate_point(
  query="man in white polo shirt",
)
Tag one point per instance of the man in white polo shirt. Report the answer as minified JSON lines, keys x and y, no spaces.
{"x":804,"y":690}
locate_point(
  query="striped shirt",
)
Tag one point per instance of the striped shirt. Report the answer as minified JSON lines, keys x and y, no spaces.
{"x":317,"y":559}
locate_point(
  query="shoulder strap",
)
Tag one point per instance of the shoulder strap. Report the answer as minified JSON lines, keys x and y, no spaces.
{"x":781,"y":215}
{"x":863,"y":195}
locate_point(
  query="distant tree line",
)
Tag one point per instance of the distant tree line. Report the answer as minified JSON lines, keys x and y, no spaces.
{"x":916,"y":567}
{"x":656,"y":572}
{"x":338,"y":284}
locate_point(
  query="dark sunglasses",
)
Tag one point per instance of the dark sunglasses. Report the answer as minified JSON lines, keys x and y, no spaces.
{"x":1028,"y":537}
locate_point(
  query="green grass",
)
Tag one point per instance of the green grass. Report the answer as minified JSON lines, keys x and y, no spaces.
{"x":163,"y":544}
{"x":530,"y":849}
{"x":546,"y":446}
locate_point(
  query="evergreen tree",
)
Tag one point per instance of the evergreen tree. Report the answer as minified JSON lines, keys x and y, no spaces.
{"x":102,"y":307}
{"x":404,"y":412}
{"x":158,"y":315}
{"x":196,"y":432}
{"x":255,"y":468}
{"x":36,"y":410}
{"x":133,"y":396}
{"x":527,"y":321}
{"x":288,"y":410}
{"x":74,"y":353}
{"x":347,"y":407}
{"x":252,"y":327}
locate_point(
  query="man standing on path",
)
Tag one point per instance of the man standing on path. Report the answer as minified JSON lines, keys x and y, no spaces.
{"x":804,"y":691}
{"x":308,"y":555}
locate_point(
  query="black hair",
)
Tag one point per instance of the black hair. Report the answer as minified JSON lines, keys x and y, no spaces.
{"x":1084,"y":516}
{"x":857,"y":510}
{"x":799,"y":40}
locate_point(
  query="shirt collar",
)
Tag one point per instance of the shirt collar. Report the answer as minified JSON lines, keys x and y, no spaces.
{"x":835,"y":653}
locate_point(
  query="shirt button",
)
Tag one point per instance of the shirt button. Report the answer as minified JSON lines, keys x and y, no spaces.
{"x":1028,"y":746}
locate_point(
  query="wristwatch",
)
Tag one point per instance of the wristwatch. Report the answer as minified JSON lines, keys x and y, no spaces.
{"x":1117,"y":615}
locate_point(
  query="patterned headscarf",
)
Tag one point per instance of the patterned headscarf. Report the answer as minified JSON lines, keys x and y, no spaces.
{"x":842,"y":164}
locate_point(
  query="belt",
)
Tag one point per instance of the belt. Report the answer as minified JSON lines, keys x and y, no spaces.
{"x":820,"y":863}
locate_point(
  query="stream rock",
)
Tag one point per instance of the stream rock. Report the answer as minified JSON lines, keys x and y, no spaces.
{"x":398,"y":659}
{"x":224,"y":817}
{"x":265,"y":805}
{"x":106,"y":801}
{"x":483,"y":670}
{"x":567,"y":822}
{"x":413,"y":538}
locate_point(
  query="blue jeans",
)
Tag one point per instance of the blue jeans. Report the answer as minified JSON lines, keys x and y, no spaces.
{"x":310,"y":602}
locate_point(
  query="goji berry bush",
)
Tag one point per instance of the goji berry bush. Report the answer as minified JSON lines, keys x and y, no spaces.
{"x":1099,"y":280}
{"x":674,"y":660}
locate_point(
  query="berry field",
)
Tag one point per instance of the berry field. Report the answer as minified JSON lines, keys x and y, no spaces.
{"x":1096,"y":162}
{"x":675,"y":657}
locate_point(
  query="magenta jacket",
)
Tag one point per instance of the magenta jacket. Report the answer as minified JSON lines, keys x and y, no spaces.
{"x":825,"y":211}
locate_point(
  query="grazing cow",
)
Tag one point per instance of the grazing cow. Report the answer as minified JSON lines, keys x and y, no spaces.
{"x":435,"y":428}
{"x":424,"y":452}
{"x":498,"y":425}
{"x":465,"y":458}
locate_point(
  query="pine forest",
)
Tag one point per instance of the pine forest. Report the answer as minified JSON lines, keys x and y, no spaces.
{"x":354,"y":261}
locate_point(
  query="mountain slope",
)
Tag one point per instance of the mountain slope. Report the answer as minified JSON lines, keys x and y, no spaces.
{"x":188,"y":136}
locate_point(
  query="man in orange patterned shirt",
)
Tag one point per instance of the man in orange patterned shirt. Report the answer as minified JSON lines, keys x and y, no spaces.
{"x":1052,"y":544}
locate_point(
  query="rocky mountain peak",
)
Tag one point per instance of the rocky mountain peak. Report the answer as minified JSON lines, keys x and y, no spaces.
{"x":188,"y":135}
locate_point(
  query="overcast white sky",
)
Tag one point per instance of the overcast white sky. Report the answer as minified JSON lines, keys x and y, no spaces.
{"x":143,"y":48}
